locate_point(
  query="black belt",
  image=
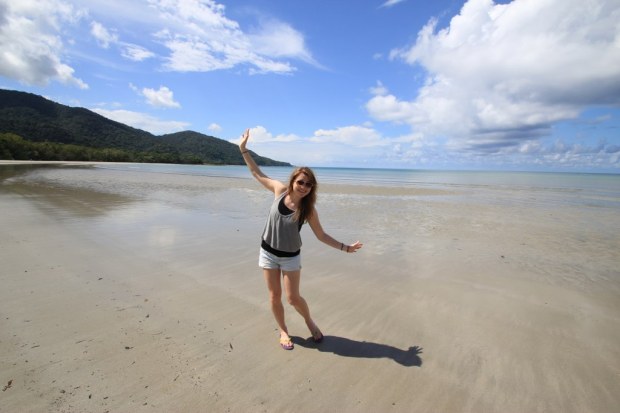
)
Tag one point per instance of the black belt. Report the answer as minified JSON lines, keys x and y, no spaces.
{"x":278,"y":253}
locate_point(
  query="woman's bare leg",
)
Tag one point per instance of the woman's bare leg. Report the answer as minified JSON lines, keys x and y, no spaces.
{"x":272,"y":278}
{"x":292,"y":279}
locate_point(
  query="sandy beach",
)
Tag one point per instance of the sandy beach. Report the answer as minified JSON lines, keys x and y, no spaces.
{"x":126,"y":292}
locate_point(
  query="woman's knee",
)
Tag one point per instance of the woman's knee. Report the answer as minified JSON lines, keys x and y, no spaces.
{"x":294,"y":299}
{"x":275,"y":297}
{"x":272,"y":277}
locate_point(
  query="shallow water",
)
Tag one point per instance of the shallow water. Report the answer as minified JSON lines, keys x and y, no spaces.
{"x":169,"y":209}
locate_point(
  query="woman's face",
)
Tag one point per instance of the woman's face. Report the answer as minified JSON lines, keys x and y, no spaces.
{"x":302,"y":184}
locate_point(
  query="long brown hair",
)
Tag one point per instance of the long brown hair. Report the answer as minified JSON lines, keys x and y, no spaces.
{"x":305,"y":210}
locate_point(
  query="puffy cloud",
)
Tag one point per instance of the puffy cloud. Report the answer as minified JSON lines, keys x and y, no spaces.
{"x":200,"y":37}
{"x":279,"y":40}
{"x":162,"y":98}
{"x":351,"y":136}
{"x":364,"y":146}
{"x":354,"y":145}
{"x":143,"y":121}
{"x":196,"y":36}
{"x":355,"y":136}
{"x":386,"y":107}
{"x":503,"y":74}
{"x":260,"y":134}
{"x":30,"y":41}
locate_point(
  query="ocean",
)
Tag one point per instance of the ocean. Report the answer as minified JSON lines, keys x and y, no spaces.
{"x":556,"y":189}
{"x":528,"y":189}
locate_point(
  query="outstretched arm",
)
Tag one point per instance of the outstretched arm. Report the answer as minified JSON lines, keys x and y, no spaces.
{"x":274,"y":186}
{"x":324,"y":237}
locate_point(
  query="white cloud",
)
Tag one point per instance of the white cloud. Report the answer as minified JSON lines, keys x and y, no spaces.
{"x":201,"y":38}
{"x":279,"y":40}
{"x":196,"y":36}
{"x":387,"y":108}
{"x":161,"y":98}
{"x":562,"y":154}
{"x":32,"y":49}
{"x":353,"y":136}
{"x":391,"y":3}
{"x":214,"y":127}
{"x":379,"y":89}
{"x":135,"y":52}
{"x":103,"y":35}
{"x":349,"y":145}
{"x":106,"y":37}
{"x":364,"y":146}
{"x":143,"y":121}
{"x":192,"y":54}
{"x":260,"y":134}
{"x":503,"y":74}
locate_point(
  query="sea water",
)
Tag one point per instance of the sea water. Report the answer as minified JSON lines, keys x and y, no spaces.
{"x":587,"y":189}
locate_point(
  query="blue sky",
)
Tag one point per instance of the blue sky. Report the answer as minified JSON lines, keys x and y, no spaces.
{"x":443,"y":84}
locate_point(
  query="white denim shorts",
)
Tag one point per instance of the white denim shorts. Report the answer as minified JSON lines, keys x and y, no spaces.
{"x":270,"y":261}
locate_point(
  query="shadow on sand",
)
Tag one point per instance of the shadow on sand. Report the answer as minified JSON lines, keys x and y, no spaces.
{"x":362,"y":349}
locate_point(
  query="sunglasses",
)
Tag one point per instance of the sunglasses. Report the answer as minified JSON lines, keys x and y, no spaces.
{"x":304,"y":183}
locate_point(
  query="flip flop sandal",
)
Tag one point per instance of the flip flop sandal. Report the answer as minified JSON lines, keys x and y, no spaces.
{"x":315,"y":339}
{"x":286,"y":343}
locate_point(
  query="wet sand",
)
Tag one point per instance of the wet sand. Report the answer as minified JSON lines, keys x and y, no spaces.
{"x":140,"y":292}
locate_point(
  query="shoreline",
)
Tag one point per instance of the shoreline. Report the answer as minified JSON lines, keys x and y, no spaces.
{"x":127,"y":292}
{"x":524,"y":171}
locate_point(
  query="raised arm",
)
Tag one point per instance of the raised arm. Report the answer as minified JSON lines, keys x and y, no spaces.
{"x":324,"y":237}
{"x":273,"y":185}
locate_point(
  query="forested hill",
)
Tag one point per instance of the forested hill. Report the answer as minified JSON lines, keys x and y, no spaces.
{"x":32,"y":127}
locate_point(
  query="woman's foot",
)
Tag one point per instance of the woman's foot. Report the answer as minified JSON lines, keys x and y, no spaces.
{"x":285,"y":341}
{"x":317,"y":336}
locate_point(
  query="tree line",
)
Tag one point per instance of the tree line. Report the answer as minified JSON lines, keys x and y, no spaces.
{"x":14,"y":147}
{"x":35,"y":128}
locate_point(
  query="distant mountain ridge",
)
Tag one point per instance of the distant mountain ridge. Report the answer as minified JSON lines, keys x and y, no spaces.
{"x":44,"y":124}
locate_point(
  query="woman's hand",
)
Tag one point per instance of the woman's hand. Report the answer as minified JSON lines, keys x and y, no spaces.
{"x":354,"y":247}
{"x":244,"y":139}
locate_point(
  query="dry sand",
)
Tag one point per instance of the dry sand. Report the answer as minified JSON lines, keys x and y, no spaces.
{"x":121,"y":293}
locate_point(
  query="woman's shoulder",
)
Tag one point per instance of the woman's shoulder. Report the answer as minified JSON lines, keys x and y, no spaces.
{"x":279,"y":189}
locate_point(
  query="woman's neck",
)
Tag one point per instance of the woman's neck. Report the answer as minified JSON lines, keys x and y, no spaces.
{"x":294,"y":199}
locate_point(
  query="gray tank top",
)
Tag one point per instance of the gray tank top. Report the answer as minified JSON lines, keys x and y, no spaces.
{"x":282,"y":231}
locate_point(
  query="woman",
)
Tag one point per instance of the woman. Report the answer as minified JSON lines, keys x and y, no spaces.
{"x":281,"y":243}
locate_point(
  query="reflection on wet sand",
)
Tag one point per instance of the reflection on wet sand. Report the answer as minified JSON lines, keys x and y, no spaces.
{"x":56,"y":198}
